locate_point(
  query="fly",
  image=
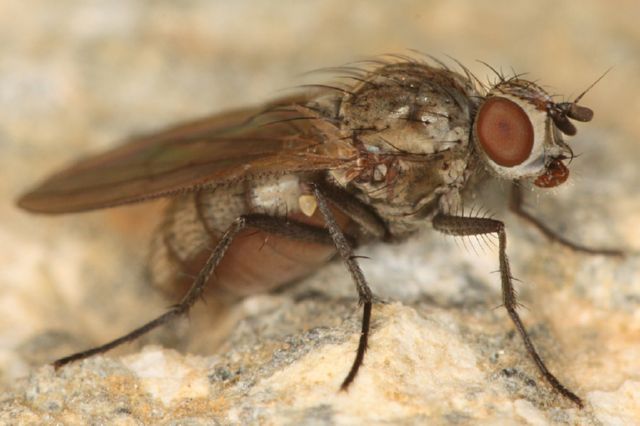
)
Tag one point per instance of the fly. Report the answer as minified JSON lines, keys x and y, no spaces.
{"x":279,"y":190}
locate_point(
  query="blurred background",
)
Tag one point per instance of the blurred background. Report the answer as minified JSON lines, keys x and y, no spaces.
{"x":76,"y":76}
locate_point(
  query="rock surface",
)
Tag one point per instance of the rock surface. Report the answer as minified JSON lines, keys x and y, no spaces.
{"x":77,"y":76}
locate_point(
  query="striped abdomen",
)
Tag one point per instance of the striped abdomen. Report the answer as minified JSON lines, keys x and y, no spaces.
{"x":256,"y":261}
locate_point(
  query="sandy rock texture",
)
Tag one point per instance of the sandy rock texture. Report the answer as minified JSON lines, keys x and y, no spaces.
{"x":77,"y":76}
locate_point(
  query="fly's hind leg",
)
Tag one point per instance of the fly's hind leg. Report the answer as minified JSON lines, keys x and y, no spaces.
{"x":466,"y":226}
{"x":276,"y":225}
{"x":516,"y":204}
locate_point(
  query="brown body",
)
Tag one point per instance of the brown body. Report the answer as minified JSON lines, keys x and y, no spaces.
{"x":262,"y":197}
{"x":399,"y":142}
{"x":402,"y":190}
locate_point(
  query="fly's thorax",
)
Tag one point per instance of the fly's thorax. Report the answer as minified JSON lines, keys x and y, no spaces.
{"x":405,"y":193}
{"x":411,"y":126}
{"x":410,"y":107}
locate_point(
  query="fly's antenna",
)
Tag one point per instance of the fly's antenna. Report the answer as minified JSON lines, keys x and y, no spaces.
{"x":576,"y":100}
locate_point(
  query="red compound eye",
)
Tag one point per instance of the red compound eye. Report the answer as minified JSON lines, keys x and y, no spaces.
{"x":504,"y":131}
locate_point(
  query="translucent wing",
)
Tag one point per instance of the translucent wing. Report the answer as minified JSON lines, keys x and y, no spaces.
{"x":231,"y":146}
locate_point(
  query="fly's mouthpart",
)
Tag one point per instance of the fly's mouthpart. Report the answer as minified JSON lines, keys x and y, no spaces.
{"x":556,"y":173}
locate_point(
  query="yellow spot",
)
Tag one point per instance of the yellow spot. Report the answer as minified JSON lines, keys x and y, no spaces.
{"x":307,"y":204}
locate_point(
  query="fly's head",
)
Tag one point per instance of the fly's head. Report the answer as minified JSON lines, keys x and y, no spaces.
{"x":518,"y":131}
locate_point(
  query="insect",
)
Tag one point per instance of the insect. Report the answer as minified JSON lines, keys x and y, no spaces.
{"x":280,"y":189}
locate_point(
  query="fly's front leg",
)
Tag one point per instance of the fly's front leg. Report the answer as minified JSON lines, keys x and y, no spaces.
{"x":365,"y":297}
{"x":276,"y":225}
{"x":516,"y":204}
{"x":466,"y":226}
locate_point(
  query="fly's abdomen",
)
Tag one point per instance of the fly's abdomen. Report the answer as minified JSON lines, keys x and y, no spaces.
{"x":256,"y":261}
